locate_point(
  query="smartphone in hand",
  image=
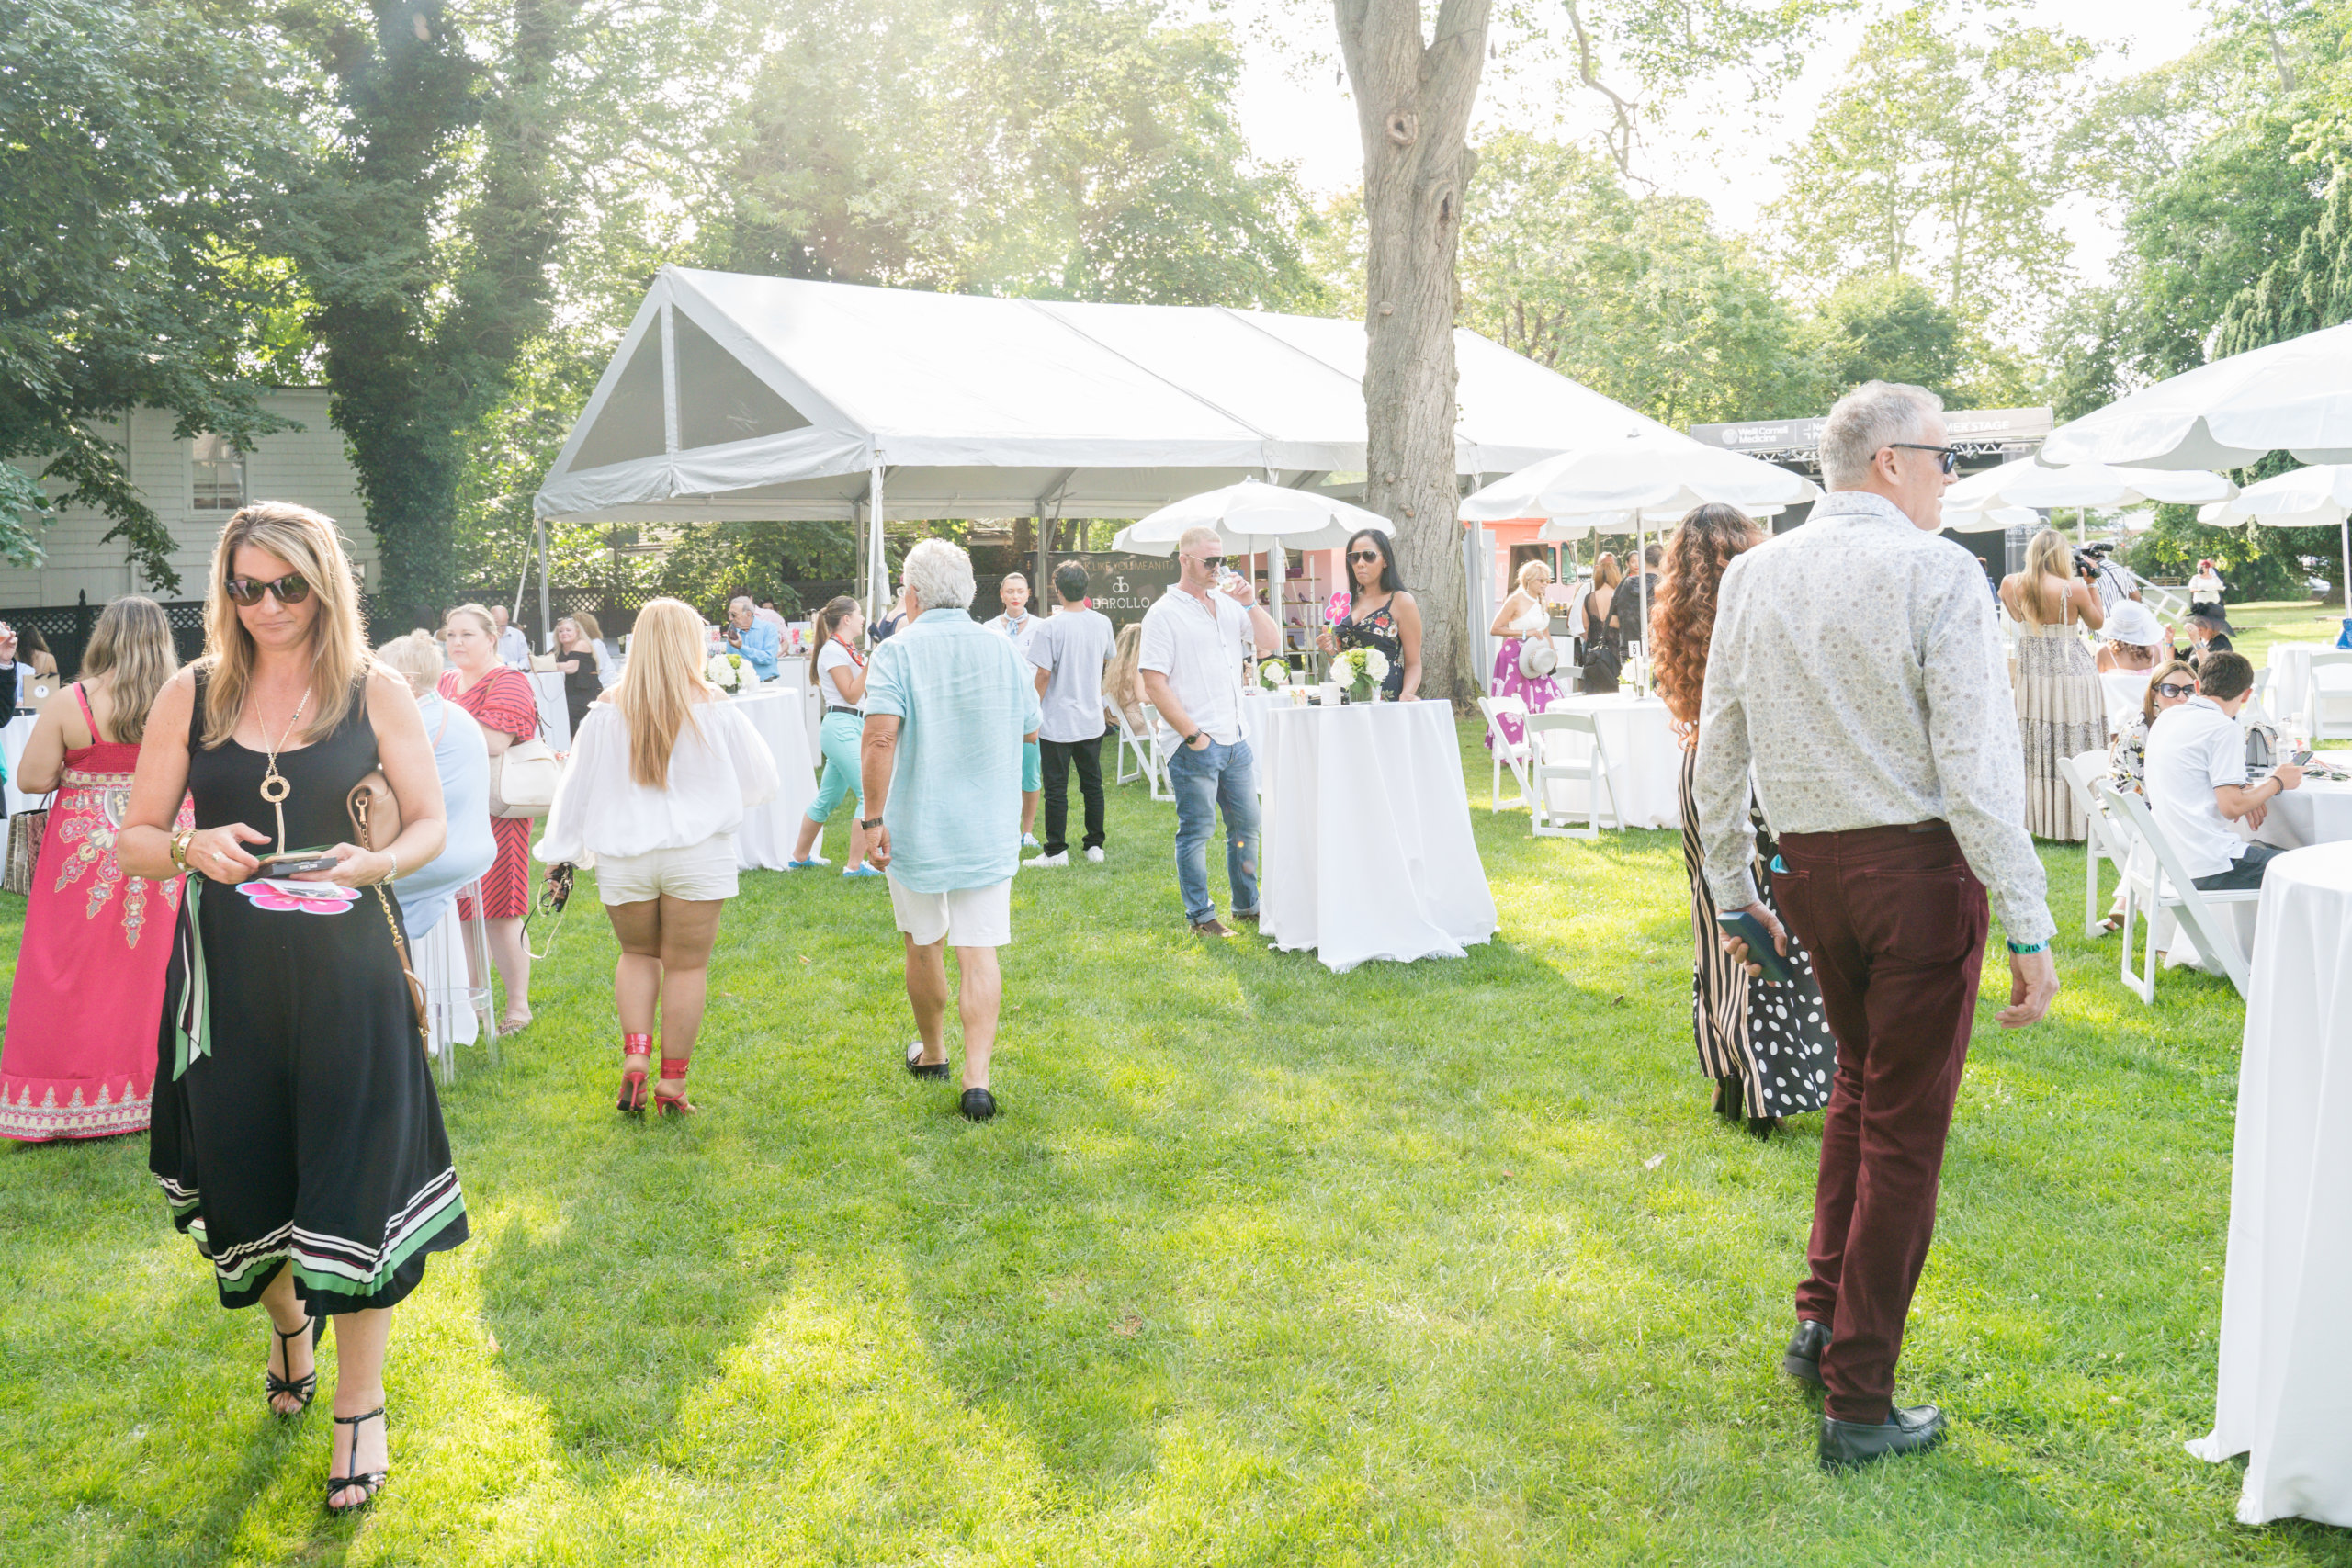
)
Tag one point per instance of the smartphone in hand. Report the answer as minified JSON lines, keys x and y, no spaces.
{"x":1761,"y":950}
{"x":295,"y":865}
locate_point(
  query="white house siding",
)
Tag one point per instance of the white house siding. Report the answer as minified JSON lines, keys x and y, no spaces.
{"x":305,"y":466}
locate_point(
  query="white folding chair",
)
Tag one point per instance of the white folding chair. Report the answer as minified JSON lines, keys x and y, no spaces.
{"x":2107,"y":843}
{"x":2161,"y":892}
{"x":1130,"y":745}
{"x":1508,"y":753}
{"x":1161,"y":789}
{"x":2327,"y":710}
{"x":1545,"y":735}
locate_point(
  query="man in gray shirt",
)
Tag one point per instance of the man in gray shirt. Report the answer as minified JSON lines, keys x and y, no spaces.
{"x":1877,"y":725}
{"x":1069,"y":651}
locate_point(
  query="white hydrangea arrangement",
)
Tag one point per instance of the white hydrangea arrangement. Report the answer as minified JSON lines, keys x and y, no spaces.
{"x":726,"y":671}
{"x":1273,"y":674}
{"x":1358,"y":666}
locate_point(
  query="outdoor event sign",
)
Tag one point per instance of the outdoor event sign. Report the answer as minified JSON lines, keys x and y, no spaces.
{"x":1984,"y":429}
{"x":1122,"y":586}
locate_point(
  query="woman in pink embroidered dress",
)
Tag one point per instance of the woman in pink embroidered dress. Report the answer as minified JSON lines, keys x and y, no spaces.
{"x":79,"y":1060}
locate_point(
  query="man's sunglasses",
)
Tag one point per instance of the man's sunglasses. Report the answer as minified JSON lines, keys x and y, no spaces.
{"x":291,"y":588}
{"x":1357,"y":558}
{"x":1947,"y":457}
{"x":1210,"y":563}
{"x":2172,"y":689}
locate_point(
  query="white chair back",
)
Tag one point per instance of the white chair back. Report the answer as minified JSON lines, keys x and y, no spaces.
{"x":1505,"y":752}
{"x":1547,"y":762}
{"x":2166,"y":888}
{"x":2327,"y":708}
{"x":2082,"y":774}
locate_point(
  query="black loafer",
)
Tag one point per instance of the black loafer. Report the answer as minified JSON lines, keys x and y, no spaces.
{"x":978,"y":1105}
{"x":1801,"y":1359}
{"x":1914,"y":1430}
{"x":924,"y":1070}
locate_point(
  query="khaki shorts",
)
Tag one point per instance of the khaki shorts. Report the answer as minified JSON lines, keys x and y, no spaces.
{"x":969,"y":917}
{"x":697,"y":872}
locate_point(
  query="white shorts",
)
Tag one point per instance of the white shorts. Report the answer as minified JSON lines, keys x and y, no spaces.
{"x":697,"y":872}
{"x":969,"y":917}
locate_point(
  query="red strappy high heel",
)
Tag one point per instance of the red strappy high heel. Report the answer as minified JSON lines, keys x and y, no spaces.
{"x":673,"y":1070}
{"x":632,"y":1099}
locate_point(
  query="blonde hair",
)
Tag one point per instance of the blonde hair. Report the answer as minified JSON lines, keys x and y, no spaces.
{"x":131,"y":649}
{"x":416,"y":658}
{"x":306,"y":541}
{"x":2038,"y":566}
{"x":660,"y":686}
{"x":587,"y":625}
{"x":1528,"y":568}
{"x":1124,"y":656}
{"x":489,"y":627}
{"x":1605,"y":573}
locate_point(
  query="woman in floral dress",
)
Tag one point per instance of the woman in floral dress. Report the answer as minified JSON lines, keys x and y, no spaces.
{"x":79,"y":1061}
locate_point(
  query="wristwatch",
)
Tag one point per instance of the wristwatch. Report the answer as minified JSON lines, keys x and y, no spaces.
{"x":869,"y":823}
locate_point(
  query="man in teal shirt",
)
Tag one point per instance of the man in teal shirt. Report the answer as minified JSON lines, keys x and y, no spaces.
{"x":949,"y":707}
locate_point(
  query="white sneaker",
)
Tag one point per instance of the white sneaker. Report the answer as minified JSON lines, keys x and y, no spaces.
{"x":1047,"y":862}
{"x":1095,"y":854}
{"x":1029,"y":841}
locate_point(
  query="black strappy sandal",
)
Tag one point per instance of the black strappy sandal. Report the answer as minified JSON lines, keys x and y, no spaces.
{"x":372,"y":1480}
{"x":302,"y":1388}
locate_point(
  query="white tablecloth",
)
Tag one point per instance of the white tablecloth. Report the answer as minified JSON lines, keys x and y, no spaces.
{"x":19,"y":731}
{"x":1645,"y":761}
{"x":2286,"y":1360}
{"x":2318,"y":811}
{"x":1367,"y":851}
{"x":765,"y":840}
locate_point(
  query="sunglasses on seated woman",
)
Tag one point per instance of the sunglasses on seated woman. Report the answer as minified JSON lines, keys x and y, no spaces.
{"x":291,"y":588}
{"x":2176,"y":689}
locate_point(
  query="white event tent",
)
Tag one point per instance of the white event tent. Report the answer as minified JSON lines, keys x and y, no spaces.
{"x":737,"y":397}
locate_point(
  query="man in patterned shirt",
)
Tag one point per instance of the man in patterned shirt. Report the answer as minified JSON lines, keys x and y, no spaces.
{"x":1878,"y":723}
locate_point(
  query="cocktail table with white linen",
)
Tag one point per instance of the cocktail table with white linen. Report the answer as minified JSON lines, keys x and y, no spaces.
{"x":1367,"y":851}
{"x":2317,"y":811}
{"x":2285,"y":1358}
{"x":765,"y":840}
{"x":19,"y":731}
{"x":1645,"y":760}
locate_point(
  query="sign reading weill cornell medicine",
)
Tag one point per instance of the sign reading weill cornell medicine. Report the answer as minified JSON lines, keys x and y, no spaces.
{"x":1122,"y":586}
{"x":1976,"y":432}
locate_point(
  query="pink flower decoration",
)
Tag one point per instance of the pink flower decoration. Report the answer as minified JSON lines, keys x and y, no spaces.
{"x":1337,"y":610}
{"x":304,"y":897}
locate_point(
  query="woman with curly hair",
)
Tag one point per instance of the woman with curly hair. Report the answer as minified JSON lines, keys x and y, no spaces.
{"x":1767,"y":1046}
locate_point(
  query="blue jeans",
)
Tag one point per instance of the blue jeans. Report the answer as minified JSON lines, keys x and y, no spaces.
{"x":1221,"y":777}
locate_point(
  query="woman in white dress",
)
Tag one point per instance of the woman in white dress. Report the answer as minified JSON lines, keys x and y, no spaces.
{"x":2062,"y":707}
{"x":1523,"y":622}
{"x":662,"y":774}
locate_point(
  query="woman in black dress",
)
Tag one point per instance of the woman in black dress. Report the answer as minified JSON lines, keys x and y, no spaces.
{"x":1767,"y":1046}
{"x":583,"y":663}
{"x":296,"y":1135}
{"x":1380,"y":615}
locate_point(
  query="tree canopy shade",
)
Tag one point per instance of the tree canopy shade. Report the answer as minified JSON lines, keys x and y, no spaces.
{"x":132,"y":206}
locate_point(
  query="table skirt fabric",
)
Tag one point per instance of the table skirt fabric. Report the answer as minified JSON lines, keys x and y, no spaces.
{"x":765,"y":840}
{"x":19,"y":731}
{"x":1367,"y":851}
{"x":2286,"y":1360}
{"x":1645,"y":760}
{"x":2319,"y":812}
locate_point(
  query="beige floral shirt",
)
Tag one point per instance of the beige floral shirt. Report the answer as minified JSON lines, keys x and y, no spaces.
{"x":1856,"y":670}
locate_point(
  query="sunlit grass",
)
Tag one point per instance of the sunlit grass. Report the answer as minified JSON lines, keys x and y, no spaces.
{"x":1260,"y":1264}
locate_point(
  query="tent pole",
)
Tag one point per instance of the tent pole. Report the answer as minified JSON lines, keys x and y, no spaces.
{"x":547,"y":611}
{"x":877,"y":557}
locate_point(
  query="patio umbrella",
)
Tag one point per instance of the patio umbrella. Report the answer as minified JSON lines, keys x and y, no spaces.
{"x":1250,"y":517}
{"x":2296,"y":394}
{"x":2316,"y":497}
{"x":2030,"y":482}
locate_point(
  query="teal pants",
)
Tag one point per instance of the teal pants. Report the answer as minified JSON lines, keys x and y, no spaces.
{"x":1033,"y":768}
{"x":838,"y":739}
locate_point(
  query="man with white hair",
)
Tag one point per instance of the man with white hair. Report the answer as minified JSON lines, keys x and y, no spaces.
{"x":949,"y":707}
{"x":514,"y":647}
{"x":1878,"y":723}
{"x":746,"y":634}
{"x":1196,"y":640}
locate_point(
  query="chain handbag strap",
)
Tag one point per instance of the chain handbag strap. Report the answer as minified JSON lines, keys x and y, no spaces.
{"x":553,"y":897}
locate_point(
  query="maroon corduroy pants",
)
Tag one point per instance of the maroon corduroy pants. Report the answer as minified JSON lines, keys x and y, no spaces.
{"x":1895,"y":924}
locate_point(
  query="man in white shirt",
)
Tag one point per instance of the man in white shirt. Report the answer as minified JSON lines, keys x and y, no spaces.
{"x":514,"y":647}
{"x":1071,"y":651}
{"x":1877,"y":725}
{"x":2197,"y":779}
{"x":1195,"y":642}
{"x":1022,"y":627}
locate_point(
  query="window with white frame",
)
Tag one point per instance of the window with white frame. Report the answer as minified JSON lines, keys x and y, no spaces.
{"x":220,"y":475}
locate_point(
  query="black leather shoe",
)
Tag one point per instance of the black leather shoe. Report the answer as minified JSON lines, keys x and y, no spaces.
{"x":1801,"y":1359}
{"x":1914,"y":1430}
{"x":978,"y":1105}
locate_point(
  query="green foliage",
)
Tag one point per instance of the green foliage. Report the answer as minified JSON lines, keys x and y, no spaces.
{"x":24,"y":512}
{"x":708,"y":564}
{"x":1886,"y":327}
{"x":2309,"y":288}
{"x":2257,"y":562}
{"x":133,"y":139}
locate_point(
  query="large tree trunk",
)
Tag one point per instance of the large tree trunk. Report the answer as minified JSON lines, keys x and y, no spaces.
{"x":1413,"y":102}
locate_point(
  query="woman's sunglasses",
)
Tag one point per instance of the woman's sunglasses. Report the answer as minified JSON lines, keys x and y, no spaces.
{"x":2171,"y":689}
{"x":1357,"y":558}
{"x":291,"y":588}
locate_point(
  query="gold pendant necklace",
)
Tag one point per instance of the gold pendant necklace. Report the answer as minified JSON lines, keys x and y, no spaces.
{"x":277,"y":797}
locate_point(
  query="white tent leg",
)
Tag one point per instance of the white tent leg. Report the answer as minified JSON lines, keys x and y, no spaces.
{"x":547,"y":611}
{"x":878,"y":560}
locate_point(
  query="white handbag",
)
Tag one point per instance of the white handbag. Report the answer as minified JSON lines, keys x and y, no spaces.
{"x":523,"y":779}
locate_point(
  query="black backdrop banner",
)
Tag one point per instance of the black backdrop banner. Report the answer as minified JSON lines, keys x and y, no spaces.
{"x":1122,"y":586}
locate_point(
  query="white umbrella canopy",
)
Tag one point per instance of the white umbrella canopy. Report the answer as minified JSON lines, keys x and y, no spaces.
{"x":2029,"y":482}
{"x":1645,"y":476}
{"x":1986,"y":518}
{"x":1250,"y":517}
{"x":2316,"y":497}
{"x":2296,"y":394}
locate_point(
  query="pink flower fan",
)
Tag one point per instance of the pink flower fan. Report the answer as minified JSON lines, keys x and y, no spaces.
{"x":1337,"y":610}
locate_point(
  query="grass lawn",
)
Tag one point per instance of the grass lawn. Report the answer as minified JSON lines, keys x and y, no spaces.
{"x":1437,"y":1264}
{"x":2255,"y":626}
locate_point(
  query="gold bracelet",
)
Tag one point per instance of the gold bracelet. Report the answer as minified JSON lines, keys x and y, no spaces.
{"x":179,"y":847}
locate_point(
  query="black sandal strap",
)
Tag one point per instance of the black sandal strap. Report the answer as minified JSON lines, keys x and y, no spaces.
{"x":369,"y":1480}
